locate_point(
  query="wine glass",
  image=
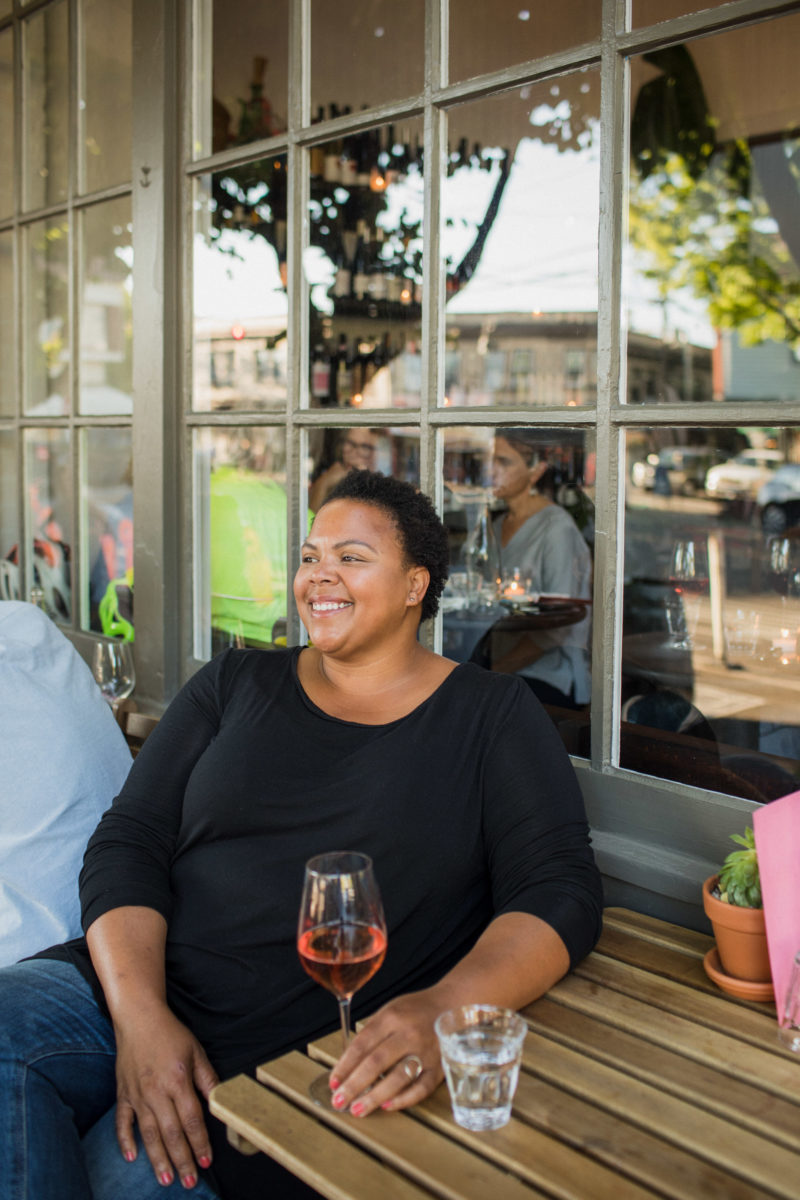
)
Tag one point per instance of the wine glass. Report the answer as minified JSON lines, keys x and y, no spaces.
{"x":112,"y":667}
{"x":341,"y":933}
{"x":689,"y":577}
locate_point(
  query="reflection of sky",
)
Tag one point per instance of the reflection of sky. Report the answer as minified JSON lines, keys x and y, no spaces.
{"x":540,"y":254}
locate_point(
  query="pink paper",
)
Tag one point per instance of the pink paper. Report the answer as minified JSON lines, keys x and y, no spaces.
{"x":777,"y":833}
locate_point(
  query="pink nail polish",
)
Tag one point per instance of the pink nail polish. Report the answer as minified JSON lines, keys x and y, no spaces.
{"x":334,"y":1084}
{"x":338,"y":1100}
{"x":387,"y":1104}
{"x":204,"y":1161}
{"x":189,"y":1181}
{"x":166,"y":1178}
{"x":130,"y":1156}
{"x":357,"y":1108}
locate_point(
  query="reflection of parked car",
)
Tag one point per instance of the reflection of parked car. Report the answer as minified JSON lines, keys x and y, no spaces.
{"x":685,"y":468}
{"x":779,"y":499}
{"x":742,"y":476}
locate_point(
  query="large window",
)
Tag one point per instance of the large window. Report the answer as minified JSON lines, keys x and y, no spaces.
{"x":66,"y":254}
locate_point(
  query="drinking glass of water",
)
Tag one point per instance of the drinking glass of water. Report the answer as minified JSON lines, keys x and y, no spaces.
{"x":481,"y":1047}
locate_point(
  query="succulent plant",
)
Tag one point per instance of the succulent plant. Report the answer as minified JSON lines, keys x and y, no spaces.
{"x":739,"y":881}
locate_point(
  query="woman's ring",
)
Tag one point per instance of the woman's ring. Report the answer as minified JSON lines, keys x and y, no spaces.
{"x":412,"y":1066}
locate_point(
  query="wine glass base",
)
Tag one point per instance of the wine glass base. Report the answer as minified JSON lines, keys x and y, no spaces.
{"x":320,"y":1091}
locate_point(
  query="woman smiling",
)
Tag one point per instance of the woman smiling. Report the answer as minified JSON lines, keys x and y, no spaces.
{"x":451,"y":778}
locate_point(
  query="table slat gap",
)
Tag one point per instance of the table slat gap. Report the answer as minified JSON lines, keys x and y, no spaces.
{"x":665,"y":1169}
{"x":707,"y":1136}
{"x":741,"y":1102}
{"x":660,"y":933}
{"x":452,"y":1169}
{"x":300,"y":1144}
{"x":768,"y":1068}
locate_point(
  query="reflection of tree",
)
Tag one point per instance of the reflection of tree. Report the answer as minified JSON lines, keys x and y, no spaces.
{"x":720,"y":221}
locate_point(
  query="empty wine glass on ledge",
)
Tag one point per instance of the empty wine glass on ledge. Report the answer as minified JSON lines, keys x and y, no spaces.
{"x":112,"y":667}
{"x":341,"y":933}
{"x":689,"y":578}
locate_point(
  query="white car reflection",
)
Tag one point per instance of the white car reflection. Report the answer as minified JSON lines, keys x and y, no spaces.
{"x":742,"y":476}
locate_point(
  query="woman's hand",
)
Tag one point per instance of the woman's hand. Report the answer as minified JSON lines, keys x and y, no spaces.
{"x":376,"y":1071}
{"x":160,"y":1069}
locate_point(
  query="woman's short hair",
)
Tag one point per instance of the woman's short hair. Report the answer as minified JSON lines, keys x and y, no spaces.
{"x":422,"y":533}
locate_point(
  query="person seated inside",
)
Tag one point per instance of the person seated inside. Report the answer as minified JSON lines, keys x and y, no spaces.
{"x":62,"y":758}
{"x":450,"y":777}
{"x":538,"y":540}
{"x":355,"y":449}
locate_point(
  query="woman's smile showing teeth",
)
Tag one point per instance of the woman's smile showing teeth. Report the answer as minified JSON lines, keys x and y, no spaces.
{"x":323,"y":606}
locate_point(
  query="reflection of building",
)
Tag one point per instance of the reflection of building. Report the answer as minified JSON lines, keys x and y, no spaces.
{"x":550,"y":360}
{"x":240,"y":365}
{"x":769,"y":371}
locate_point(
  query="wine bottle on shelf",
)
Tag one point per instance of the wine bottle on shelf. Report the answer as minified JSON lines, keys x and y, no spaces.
{"x":342,"y":283}
{"x":333,"y":154}
{"x":360,"y":277}
{"x":320,"y":374}
{"x":344,"y":373}
{"x":317,"y":153}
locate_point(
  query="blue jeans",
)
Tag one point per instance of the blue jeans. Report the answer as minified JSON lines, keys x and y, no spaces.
{"x":58,"y":1094}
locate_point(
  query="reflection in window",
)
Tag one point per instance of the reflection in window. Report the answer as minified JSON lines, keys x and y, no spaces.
{"x":105,"y":106}
{"x":48,"y":500}
{"x":6,"y":121}
{"x":521,"y":207}
{"x":713,"y":280}
{"x":365,"y":52}
{"x":364,"y":267}
{"x":240,"y":538}
{"x":334,"y":452}
{"x":107,"y":516}
{"x":515,"y":32}
{"x":106,"y":307}
{"x":46,"y":108}
{"x":239,"y":287}
{"x":10,"y":587}
{"x":711,"y":626}
{"x":240,"y":73}
{"x":520,"y":517}
{"x":46,"y":332}
{"x":7,"y":342}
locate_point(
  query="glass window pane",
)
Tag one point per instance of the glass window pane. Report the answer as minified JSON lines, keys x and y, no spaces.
{"x":241,"y":76}
{"x":521,"y":209}
{"x":48,"y":516}
{"x":46,"y":107}
{"x":5,"y":7}
{"x":711,"y":618}
{"x":239,"y":288}
{"x":240,"y":528}
{"x":105,"y":313}
{"x":334,"y":452}
{"x":365,"y":52}
{"x":107,"y":521}
{"x":519,"y":511}
{"x":9,"y":517}
{"x":713,"y":281}
{"x":105,"y":103}
{"x":8,"y":388}
{"x":46,"y":332}
{"x":515,"y":32}
{"x":364,"y":268}
{"x":6,"y":123}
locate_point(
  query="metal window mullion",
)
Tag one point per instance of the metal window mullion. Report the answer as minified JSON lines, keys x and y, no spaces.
{"x":298,"y":192}
{"x":606,"y":632}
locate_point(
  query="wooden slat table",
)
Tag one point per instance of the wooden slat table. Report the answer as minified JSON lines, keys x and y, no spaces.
{"x":640,"y":1078}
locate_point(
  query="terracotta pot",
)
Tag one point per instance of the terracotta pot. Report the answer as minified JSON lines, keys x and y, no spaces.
{"x":740,"y":934}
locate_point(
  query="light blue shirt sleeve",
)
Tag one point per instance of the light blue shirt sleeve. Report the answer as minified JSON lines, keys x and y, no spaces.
{"x":63,"y":759}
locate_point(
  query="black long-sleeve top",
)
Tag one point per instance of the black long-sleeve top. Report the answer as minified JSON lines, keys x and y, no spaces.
{"x":469,"y":807}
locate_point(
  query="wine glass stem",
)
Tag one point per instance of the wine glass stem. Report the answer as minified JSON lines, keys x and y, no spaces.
{"x":344,"y":1013}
